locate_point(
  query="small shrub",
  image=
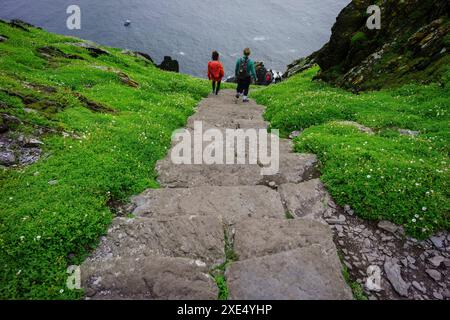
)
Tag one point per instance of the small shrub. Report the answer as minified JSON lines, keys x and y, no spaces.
{"x":359,"y":37}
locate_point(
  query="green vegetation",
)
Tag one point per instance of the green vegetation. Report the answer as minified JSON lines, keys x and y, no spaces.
{"x":218,"y":273}
{"x":289,"y":215}
{"x":359,"y":37}
{"x":357,"y":290}
{"x":404,"y":179}
{"x":221,"y":282}
{"x":108,"y":154}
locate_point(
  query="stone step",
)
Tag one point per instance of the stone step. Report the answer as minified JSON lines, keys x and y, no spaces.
{"x":284,"y":145}
{"x":228,"y":203}
{"x":226,"y":101}
{"x":196,"y":237}
{"x":220,"y":117}
{"x":309,"y":273}
{"x":219,"y":121}
{"x":293,"y":168}
{"x":255,"y":238}
{"x":148,"y":277}
{"x":284,"y":260}
{"x":308,"y":200}
{"x":192,"y":175}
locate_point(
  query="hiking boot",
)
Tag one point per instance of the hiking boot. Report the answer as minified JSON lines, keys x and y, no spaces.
{"x":245,"y":99}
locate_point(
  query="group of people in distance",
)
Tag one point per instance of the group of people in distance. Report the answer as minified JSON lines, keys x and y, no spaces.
{"x":245,"y":72}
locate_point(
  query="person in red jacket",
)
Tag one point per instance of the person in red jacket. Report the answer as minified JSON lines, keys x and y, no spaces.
{"x":215,"y":72}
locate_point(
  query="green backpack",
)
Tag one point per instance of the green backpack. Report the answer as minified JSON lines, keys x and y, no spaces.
{"x":243,"y":70}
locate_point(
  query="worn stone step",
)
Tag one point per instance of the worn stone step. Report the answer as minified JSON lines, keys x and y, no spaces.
{"x":195,"y":237}
{"x":293,"y":168}
{"x":226,"y":101}
{"x":309,"y":273}
{"x":225,"y":116}
{"x":229,"y":203}
{"x":148,"y":277}
{"x":255,"y":238}
{"x":230,"y":123}
{"x":228,"y":140}
{"x":219,"y":121}
{"x":192,"y":175}
{"x":285,"y":260}
{"x":309,"y":200}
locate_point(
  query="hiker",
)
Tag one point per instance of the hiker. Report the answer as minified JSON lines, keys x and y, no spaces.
{"x":278,"y":77}
{"x":245,"y":71}
{"x":215,"y":72}
{"x":269,"y":77}
{"x":260,"y":73}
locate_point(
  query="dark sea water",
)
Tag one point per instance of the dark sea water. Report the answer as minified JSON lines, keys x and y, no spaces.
{"x":277,"y":31}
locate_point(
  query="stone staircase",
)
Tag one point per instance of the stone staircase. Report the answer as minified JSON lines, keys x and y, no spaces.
{"x":179,"y":233}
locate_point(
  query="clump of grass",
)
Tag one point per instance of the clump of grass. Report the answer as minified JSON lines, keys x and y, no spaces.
{"x":230,"y":254}
{"x":289,"y":215}
{"x":221,"y":282}
{"x":384,"y":176}
{"x":218,"y":273}
{"x":108,"y":155}
{"x":357,"y":290}
{"x":359,"y":37}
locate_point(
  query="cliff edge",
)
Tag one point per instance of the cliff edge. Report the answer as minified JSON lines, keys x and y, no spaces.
{"x":411,"y":46}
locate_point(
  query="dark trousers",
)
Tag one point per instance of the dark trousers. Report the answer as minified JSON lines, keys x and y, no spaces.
{"x":216,"y":86}
{"x":244,"y":86}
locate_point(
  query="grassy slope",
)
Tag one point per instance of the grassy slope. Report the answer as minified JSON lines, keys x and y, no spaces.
{"x":383,"y":176}
{"x":44,"y":228}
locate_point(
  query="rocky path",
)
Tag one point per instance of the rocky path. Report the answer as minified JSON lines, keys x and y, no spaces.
{"x":266,"y":235}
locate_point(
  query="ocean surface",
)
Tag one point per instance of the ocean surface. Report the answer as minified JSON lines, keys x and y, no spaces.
{"x":277,"y":31}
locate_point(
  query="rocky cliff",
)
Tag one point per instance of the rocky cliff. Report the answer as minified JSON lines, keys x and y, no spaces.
{"x":412,"y":45}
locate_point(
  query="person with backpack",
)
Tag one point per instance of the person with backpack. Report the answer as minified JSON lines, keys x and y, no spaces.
{"x":269,"y":77}
{"x":245,"y":71}
{"x":215,"y":72}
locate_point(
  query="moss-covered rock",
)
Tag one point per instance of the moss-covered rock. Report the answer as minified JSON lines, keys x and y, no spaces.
{"x":411,"y":46}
